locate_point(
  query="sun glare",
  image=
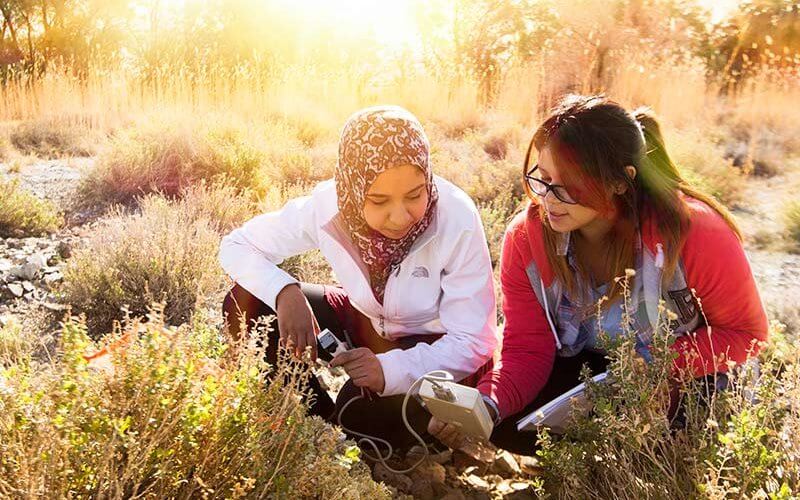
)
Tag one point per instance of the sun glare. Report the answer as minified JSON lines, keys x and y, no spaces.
{"x":719,"y":8}
{"x":390,"y":24}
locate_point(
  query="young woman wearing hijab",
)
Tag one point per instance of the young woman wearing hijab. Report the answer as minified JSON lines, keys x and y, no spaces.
{"x":415,"y":289}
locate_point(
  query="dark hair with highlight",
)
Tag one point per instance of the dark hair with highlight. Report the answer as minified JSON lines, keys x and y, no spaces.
{"x":592,"y":140}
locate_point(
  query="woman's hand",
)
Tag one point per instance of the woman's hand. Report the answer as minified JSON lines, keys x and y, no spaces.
{"x":296,"y":321}
{"x":449,"y":434}
{"x":363,"y":367}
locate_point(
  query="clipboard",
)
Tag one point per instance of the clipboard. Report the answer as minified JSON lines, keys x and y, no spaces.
{"x":557,"y":413}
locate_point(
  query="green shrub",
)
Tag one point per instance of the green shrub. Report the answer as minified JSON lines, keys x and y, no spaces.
{"x":792,"y":222}
{"x":277,"y":195}
{"x":496,"y":215}
{"x":52,"y":139}
{"x":291,"y":159}
{"x":480,"y":177}
{"x":312,"y":129}
{"x":23,"y":214}
{"x":167,"y":251}
{"x":736,"y":442}
{"x":5,"y":147}
{"x":702,"y":163}
{"x":167,"y":158}
{"x":15,"y":344}
{"x":310,"y":267}
{"x":175,"y":416}
{"x":222,"y":205}
{"x":293,"y":167}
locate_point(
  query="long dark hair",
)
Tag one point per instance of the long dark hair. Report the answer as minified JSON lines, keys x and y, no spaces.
{"x":592,"y":139}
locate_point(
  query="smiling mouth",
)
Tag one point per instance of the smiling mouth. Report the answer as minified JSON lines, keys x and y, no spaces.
{"x":551,"y":214}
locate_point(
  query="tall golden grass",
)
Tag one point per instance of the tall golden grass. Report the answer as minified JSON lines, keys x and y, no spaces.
{"x":680,"y":93}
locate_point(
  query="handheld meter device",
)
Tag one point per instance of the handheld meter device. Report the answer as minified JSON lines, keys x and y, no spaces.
{"x":457,"y":404}
{"x":332,"y":345}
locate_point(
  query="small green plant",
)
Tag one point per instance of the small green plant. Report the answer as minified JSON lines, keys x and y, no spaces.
{"x":736,"y":441}
{"x":15,"y":344}
{"x":175,"y":413}
{"x":23,"y":214}
{"x":791,"y":218}
{"x":496,"y":215}
{"x":167,"y":251}
{"x":702,"y":163}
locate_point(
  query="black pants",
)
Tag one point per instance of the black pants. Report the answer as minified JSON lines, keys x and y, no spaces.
{"x":566,"y":375}
{"x":369,"y":413}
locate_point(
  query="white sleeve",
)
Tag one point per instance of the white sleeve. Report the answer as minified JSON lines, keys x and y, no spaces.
{"x":468,"y":312}
{"x":250,"y":254}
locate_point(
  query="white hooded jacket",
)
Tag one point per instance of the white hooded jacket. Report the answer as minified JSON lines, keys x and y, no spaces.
{"x":444,"y":285}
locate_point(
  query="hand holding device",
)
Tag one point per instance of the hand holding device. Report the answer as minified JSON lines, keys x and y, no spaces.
{"x":457,"y":405}
{"x":363,"y":367}
{"x":332,"y":345}
{"x":448,"y":434}
{"x":460,"y":405}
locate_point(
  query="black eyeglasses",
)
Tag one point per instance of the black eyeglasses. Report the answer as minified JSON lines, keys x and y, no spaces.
{"x":541,"y":187}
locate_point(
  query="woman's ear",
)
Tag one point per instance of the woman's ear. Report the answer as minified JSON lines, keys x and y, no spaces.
{"x":621,"y":187}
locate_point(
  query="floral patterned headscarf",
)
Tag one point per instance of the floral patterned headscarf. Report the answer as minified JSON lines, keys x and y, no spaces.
{"x":374,"y":140}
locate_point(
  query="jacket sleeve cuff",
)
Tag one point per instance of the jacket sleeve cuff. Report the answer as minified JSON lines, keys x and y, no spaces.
{"x":493,"y":405}
{"x":394,"y":376}
{"x":274,"y":287}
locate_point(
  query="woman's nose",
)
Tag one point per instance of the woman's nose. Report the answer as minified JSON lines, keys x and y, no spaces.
{"x":399,"y":217}
{"x":551,"y":198}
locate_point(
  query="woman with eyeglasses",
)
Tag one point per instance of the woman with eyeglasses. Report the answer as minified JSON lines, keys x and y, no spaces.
{"x":415,"y":290}
{"x":605,"y":197}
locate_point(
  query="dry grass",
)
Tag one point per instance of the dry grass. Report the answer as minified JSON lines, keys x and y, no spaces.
{"x":23,"y":214}
{"x":222,"y":205}
{"x":15,"y":343}
{"x":703,"y":163}
{"x":166,"y":252}
{"x":52,"y":139}
{"x":167,"y":157}
{"x":791,"y":217}
{"x":5,"y":147}
{"x":314,"y":102}
{"x":764,"y":239}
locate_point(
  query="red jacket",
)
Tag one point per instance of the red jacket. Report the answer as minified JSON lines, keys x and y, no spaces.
{"x":715,"y":267}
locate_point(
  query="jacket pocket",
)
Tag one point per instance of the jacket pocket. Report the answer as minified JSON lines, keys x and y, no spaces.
{"x":413,"y":295}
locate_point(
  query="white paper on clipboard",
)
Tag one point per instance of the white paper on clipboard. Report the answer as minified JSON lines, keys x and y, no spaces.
{"x":556,"y":414}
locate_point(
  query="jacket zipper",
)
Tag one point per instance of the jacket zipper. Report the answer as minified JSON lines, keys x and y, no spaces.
{"x":396,"y":272}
